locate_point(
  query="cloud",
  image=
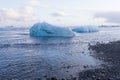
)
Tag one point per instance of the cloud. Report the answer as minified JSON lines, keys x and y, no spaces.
{"x":37,"y":4}
{"x":111,"y":17}
{"x":17,"y":17}
{"x":59,"y":14}
{"x":22,"y":16}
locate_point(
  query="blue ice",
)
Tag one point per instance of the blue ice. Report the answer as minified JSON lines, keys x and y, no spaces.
{"x":85,"y":29}
{"x":45,"y":29}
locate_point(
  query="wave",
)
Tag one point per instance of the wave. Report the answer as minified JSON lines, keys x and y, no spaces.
{"x":40,"y":44}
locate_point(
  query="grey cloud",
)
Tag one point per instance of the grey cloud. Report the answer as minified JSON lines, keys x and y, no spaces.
{"x":112,"y":17}
{"x":58,"y":14}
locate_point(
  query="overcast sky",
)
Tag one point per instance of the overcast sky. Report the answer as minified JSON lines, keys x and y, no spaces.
{"x":59,"y":12}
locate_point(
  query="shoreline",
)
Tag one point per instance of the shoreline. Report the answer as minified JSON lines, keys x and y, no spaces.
{"x":108,"y":53}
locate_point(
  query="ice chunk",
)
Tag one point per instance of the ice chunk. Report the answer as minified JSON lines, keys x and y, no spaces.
{"x":45,"y":29}
{"x":85,"y":29}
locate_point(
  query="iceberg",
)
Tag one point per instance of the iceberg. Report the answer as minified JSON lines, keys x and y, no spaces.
{"x":47,"y":30}
{"x":85,"y":29}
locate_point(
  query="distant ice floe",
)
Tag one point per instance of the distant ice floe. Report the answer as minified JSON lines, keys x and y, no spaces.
{"x":85,"y":29}
{"x":45,"y":29}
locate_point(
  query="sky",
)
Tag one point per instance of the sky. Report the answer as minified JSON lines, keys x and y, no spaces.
{"x":59,"y":12}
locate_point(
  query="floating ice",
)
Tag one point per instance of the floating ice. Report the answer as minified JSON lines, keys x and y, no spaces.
{"x":45,"y":29}
{"x":85,"y":29}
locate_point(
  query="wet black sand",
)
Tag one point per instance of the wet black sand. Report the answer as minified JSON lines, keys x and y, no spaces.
{"x":110,"y":70}
{"x":108,"y":53}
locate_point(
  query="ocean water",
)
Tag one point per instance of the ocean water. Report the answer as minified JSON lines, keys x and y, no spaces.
{"x":24,"y":57}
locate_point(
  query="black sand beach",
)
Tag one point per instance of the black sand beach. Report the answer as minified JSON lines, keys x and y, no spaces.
{"x":108,"y":53}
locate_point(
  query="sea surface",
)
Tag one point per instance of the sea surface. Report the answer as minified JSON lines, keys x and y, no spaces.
{"x":27,"y":58}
